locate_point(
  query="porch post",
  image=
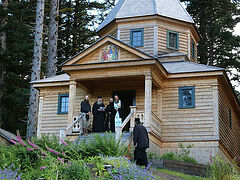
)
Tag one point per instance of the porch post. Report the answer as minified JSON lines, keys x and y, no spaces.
{"x":72,"y":99}
{"x":148,"y":101}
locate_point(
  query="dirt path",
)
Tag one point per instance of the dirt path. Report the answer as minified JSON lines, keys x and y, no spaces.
{"x":166,"y":176}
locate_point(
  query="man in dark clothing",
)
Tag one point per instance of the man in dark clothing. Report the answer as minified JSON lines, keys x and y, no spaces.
{"x":141,"y":143}
{"x":98,"y":111}
{"x":110,"y":118}
{"x":85,"y":108}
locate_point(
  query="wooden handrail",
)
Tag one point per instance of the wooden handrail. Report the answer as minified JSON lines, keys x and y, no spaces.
{"x":77,"y":118}
{"x":128,"y":118}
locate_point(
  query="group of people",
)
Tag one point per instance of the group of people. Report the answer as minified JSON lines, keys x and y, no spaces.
{"x":105,"y":118}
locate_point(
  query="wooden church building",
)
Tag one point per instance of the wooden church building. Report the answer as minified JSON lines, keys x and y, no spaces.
{"x":147,"y":54}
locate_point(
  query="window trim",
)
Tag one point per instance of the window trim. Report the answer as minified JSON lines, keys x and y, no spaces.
{"x":60,"y":104}
{"x":131,"y":36}
{"x":174,"y":32}
{"x":193,"y":49}
{"x":180,"y":106}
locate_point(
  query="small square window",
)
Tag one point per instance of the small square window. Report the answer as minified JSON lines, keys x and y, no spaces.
{"x":186,"y":97}
{"x":172,"y":40}
{"x":136,"y":37}
{"x":63,"y":101}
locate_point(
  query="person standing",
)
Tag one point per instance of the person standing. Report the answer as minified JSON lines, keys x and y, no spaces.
{"x":85,"y":108}
{"x":110,"y":119}
{"x":141,"y":143}
{"x":119,"y":114}
{"x":98,"y":111}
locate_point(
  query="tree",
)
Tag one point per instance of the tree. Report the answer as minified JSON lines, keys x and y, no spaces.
{"x":3,"y":47}
{"x":216,"y":21}
{"x":36,"y":69}
{"x":52,"y":38}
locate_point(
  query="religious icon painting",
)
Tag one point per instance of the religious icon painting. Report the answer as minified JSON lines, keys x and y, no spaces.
{"x":109,"y":53}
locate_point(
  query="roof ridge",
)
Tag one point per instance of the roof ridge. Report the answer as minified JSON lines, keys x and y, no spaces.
{"x":185,"y":11}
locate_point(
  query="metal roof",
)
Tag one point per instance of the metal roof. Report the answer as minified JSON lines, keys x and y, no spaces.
{"x":57,"y":78}
{"x":174,"y":67}
{"x":135,"y":8}
{"x":7,"y":135}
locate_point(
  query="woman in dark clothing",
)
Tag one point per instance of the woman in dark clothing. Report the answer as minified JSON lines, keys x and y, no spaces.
{"x":98,"y":111}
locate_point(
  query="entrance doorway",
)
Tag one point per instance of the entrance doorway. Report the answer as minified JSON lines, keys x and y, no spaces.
{"x":128,"y":98}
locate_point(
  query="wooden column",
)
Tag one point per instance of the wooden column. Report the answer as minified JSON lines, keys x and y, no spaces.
{"x":40,"y":111}
{"x":148,"y":101}
{"x":215,"y":111}
{"x":72,"y":99}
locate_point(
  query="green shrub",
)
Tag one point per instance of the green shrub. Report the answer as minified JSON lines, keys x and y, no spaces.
{"x":77,"y":170}
{"x":151,"y":155}
{"x":220,"y":170}
{"x":100,"y":144}
{"x":182,"y":155}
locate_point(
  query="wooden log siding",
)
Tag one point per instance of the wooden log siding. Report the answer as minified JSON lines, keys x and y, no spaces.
{"x":162,"y":40}
{"x":148,"y":38}
{"x":188,"y":124}
{"x":229,"y":137}
{"x":51,"y":121}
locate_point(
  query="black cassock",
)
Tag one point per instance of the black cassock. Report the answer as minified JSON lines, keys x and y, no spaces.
{"x":141,"y":139}
{"x":110,"y":118}
{"x":85,"y":108}
{"x":98,"y":118}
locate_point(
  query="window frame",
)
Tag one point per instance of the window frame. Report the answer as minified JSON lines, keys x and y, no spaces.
{"x":193,"y":49}
{"x":131,"y":36}
{"x":177,"y":43}
{"x":60,"y":103}
{"x":180,"y":89}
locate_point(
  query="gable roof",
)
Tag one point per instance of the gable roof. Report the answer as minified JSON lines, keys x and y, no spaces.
{"x":103,"y":40}
{"x":181,"y":66}
{"x":58,"y":78}
{"x":136,"y":8}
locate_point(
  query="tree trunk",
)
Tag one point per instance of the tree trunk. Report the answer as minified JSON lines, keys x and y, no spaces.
{"x":53,"y":38}
{"x":3,"y":48}
{"x":36,"y":69}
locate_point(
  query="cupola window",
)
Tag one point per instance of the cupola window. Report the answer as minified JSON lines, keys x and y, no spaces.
{"x":136,"y":37}
{"x":172,"y":40}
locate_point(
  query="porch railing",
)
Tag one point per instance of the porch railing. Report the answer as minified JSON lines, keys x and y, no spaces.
{"x":74,"y":127}
{"x":130,"y":118}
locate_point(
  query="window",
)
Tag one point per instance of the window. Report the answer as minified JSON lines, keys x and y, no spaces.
{"x":136,"y":37}
{"x":63,"y":100}
{"x":172,"y":40}
{"x":193,"y":49}
{"x":230,"y":118}
{"x":186,"y":97}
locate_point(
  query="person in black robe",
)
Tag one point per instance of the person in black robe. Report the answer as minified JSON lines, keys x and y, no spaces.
{"x":141,"y":143}
{"x":119,"y":109}
{"x":98,"y":111}
{"x":110,"y":118}
{"x":85,"y":108}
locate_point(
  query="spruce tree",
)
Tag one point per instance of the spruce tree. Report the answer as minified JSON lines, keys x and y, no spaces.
{"x":215,"y":21}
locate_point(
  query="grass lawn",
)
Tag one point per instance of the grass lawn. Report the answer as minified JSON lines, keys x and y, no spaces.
{"x":181,"y":175}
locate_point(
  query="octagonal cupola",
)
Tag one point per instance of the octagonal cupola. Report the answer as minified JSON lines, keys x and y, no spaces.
{"x":156,"y":27}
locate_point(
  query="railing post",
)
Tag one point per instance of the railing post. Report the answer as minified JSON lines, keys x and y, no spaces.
{"x":132,"y":121}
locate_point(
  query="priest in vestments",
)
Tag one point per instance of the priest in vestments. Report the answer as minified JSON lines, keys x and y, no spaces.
{"x":98,"y":111}
{"x":119,"y":111}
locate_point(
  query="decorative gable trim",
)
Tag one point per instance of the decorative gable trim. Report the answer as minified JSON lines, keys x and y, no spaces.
{"x":102,"y":41}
